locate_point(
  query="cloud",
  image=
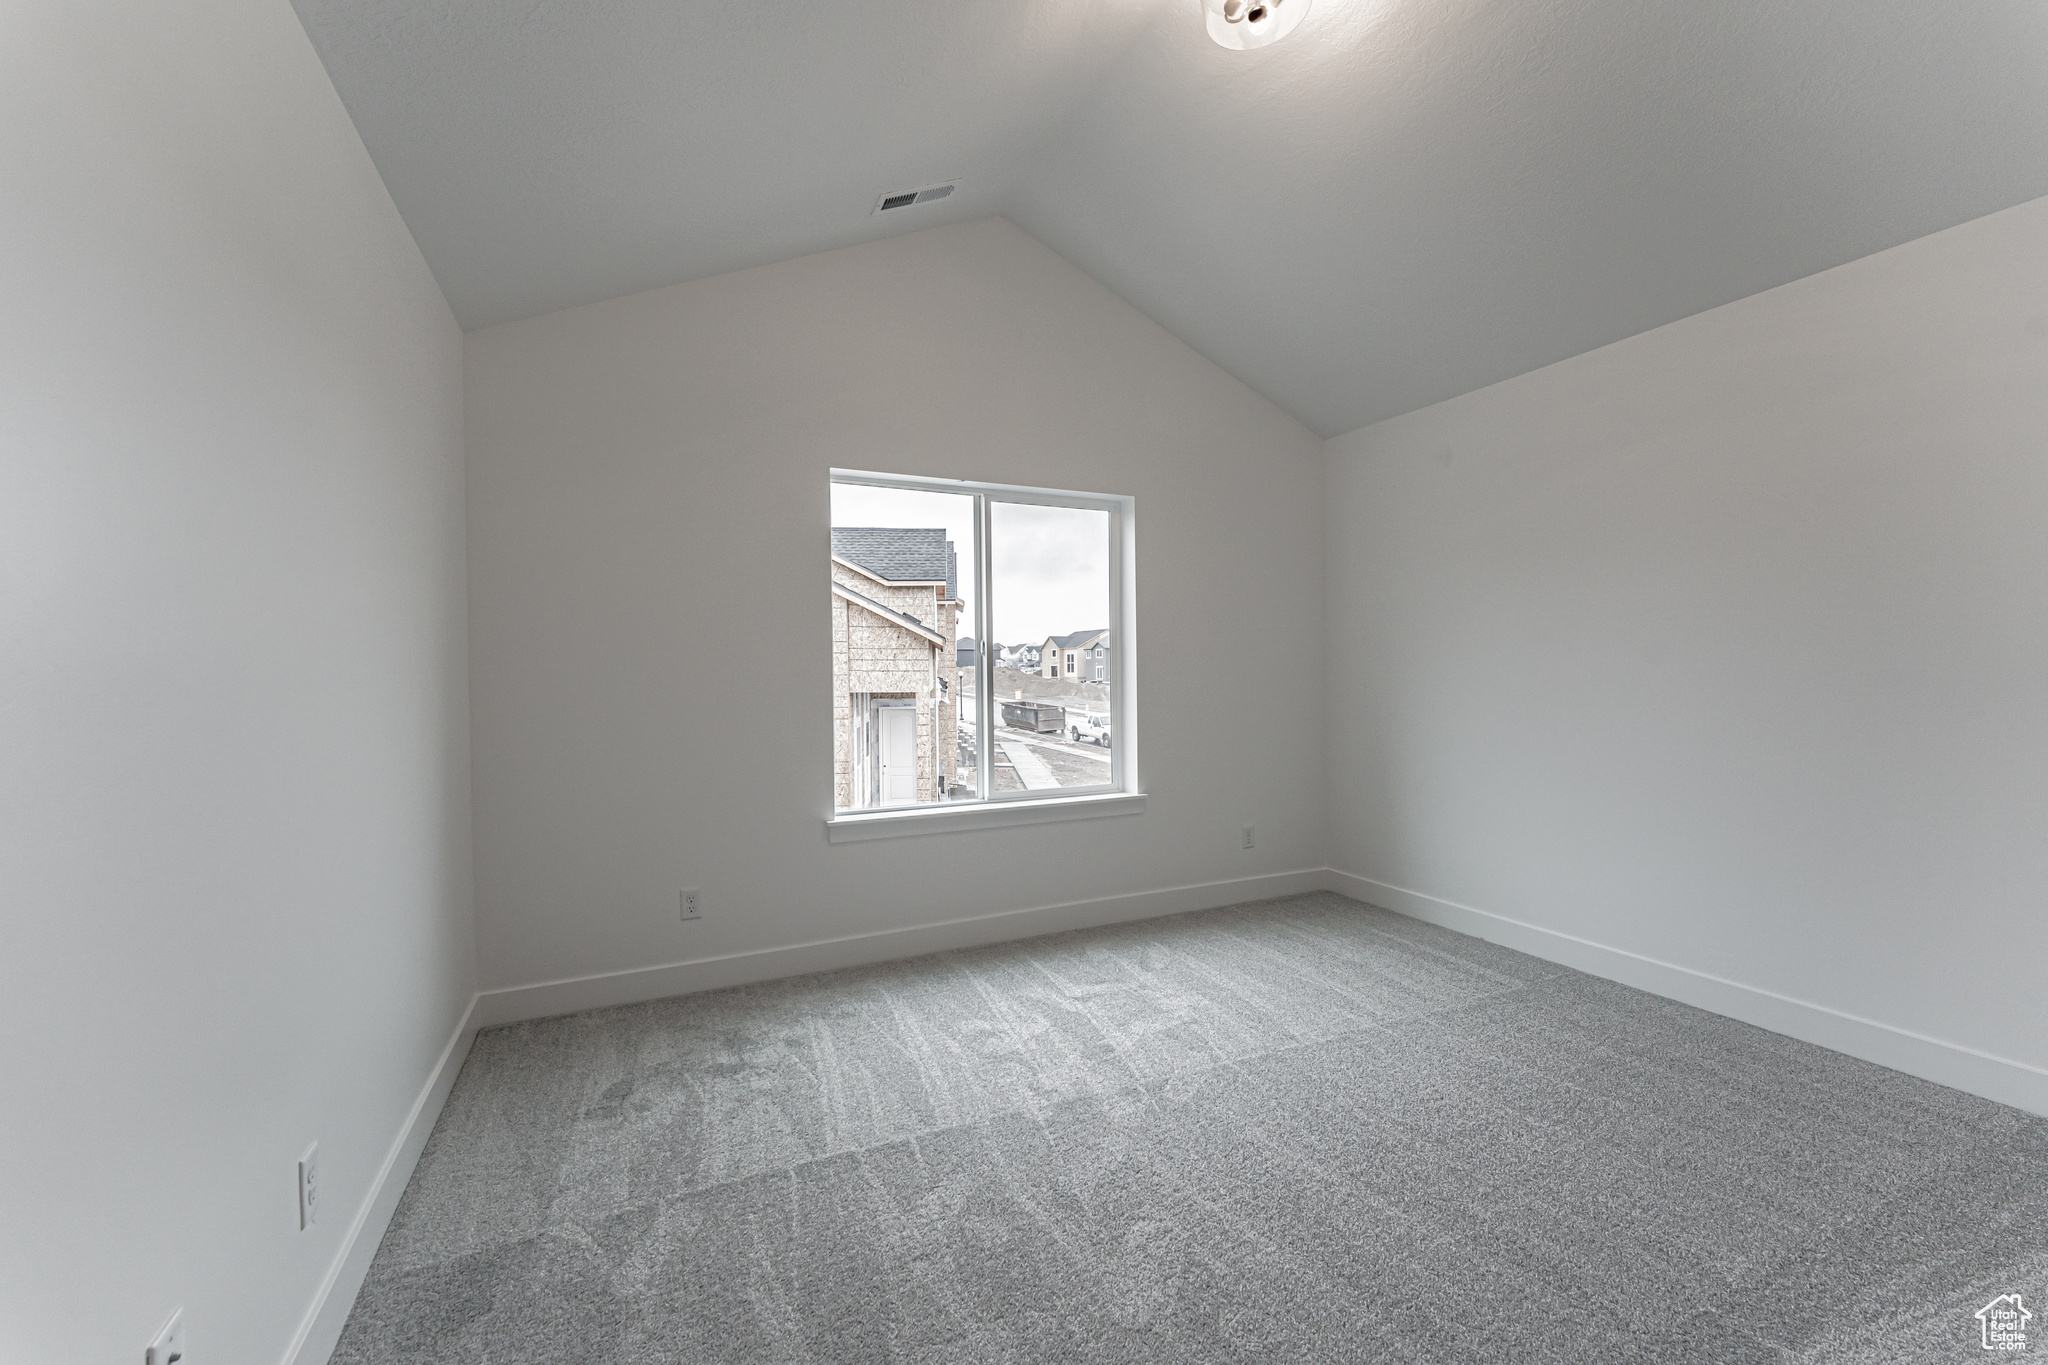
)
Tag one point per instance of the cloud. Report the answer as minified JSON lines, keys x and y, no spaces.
{"x":1050,"y":571}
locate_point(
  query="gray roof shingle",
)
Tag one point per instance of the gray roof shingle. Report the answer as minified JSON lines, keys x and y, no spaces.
{"x":1079,"y":637}
{"x":900,"y":554}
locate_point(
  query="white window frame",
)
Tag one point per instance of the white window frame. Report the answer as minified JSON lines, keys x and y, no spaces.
{"x":1121,"y":795}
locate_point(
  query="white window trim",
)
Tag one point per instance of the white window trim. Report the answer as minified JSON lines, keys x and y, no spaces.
{"x":1122,"y":795}
{"x":856,"y":826}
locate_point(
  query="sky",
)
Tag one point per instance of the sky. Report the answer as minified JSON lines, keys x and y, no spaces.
{"x":1050,"y":564}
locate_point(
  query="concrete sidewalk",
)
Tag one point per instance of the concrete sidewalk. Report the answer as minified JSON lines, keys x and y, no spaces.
{"x":1031,"y":769}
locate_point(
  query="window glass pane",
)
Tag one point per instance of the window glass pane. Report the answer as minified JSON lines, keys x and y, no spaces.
{"x":1049,"y":604}
{"x":903,"y":595}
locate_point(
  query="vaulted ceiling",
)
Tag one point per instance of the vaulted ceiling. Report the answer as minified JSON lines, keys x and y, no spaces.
{"x":1403,"y":201}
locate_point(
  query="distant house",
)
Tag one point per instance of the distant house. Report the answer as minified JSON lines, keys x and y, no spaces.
{"x":1023,"y":658}
{"x":964,"y":657}
{"x":895,"y":609}
{"x":1082,"y":656}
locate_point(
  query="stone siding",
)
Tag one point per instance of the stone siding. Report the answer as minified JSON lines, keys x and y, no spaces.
{"x":875,"y":656}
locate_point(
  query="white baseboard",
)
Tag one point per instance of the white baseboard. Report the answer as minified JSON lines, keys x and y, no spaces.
{"x":321,"y":1328}
{"x":543,"y":999}
{"x":1963,"y":1068}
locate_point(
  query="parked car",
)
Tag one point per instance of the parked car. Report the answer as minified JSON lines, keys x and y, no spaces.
{"x":1094,"y":729}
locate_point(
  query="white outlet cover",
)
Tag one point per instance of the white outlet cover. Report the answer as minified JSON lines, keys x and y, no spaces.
{"x":169,"y":1346}
{"x":309,"y":1187}
{"x":692,"y":903}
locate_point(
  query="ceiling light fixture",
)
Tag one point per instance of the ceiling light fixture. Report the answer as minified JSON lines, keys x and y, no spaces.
{"x":1246,"y":24}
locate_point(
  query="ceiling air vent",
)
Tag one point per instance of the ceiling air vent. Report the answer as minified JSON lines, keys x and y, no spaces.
{"x":903,"y":199}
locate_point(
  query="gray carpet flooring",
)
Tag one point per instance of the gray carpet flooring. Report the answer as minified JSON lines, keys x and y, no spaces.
{"x":1296,"y":1130}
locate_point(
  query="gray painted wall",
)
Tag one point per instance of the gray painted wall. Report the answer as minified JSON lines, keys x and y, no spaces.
{"x":650,"y":474}
{"x":234,"y":801}
{"x":1725,"y":646}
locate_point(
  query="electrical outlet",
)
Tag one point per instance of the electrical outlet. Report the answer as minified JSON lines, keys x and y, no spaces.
{"x":309,"y":1187}
{"x":693,"y":904}
{"x":169,"y":1346}
{"x":1251,"y":836}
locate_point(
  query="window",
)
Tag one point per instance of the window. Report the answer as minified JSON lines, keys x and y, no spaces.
{"x":930,"y":707}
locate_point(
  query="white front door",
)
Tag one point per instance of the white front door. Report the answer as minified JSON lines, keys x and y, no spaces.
{"x":899,"y":754}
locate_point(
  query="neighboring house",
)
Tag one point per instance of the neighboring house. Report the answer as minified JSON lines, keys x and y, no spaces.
{"x":965,"y":655}
{"x":895,"y":610}
{"x":1023,"y":658}
{"x":1082,"y":656}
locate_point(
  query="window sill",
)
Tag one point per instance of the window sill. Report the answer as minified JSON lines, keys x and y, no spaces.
{"x":856,"y":826}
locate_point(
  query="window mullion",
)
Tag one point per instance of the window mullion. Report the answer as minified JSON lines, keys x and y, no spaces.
{"x":984,"y":679}
{"x":1115,"y":654}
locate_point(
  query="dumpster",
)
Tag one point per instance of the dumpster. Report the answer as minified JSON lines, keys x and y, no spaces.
{"x":1036,"y":716}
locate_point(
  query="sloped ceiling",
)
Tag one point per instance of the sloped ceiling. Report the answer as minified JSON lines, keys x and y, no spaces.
{"x":1404,"y":201}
